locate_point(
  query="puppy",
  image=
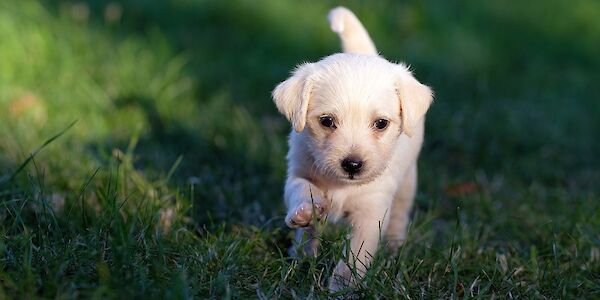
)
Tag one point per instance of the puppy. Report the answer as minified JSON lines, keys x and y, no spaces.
{"x":358,"y":123}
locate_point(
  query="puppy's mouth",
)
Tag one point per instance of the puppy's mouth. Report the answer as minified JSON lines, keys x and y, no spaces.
{"x":358,"y":178}
{"x":354,"y":180}
{"x":352,"y":176}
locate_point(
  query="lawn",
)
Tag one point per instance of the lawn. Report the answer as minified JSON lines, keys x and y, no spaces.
{"x":142,"y":157}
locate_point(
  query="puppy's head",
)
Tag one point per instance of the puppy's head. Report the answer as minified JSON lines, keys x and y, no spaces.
{"x":352,"y":109}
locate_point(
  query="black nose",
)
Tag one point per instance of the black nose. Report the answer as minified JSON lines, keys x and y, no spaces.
{"x":352,"y":165}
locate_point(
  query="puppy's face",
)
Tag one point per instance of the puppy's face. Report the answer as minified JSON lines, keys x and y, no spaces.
{"x":353,"y":125}
{"x":352,"y":109}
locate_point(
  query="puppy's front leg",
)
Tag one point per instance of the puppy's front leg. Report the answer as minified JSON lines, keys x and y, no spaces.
{"x":367,"y":226}
{"x":302,"y":199}
{"x":306,"y":242}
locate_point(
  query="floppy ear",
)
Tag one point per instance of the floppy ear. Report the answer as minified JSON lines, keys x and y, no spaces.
{"x":293,"y":95}
{"x":415,"y":99}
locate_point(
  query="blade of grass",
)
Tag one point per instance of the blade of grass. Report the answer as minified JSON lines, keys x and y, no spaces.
{"x":34,"y":153}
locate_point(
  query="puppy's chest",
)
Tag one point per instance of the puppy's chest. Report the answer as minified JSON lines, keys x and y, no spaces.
{"x":346,"y":200}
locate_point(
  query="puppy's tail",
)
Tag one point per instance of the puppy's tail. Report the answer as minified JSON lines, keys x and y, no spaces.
{"x":354,"y":37}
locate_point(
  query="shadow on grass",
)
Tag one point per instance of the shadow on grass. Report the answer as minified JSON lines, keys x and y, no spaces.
{"x":223,"y":175}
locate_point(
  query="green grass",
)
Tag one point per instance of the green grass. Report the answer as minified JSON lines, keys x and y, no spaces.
{"x":169,"y":184}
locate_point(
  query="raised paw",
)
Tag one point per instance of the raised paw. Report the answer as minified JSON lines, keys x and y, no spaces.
{"x":302,"y":215}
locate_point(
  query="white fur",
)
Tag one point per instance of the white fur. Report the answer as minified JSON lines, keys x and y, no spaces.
{"x":353,"y":34}
{"x":354,"y":89}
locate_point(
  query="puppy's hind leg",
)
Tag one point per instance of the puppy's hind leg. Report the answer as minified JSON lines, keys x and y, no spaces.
{"x":400,"y":214}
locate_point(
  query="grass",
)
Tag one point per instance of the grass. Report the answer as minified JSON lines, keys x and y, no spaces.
{"x":169,"y":183}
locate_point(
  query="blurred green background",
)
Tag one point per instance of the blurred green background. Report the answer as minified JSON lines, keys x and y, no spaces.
{"x":169,"y":184}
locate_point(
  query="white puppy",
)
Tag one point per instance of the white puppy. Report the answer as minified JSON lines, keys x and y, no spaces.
{"x":358,"y":124}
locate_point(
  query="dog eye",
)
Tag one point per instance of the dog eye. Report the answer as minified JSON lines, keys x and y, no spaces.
{"x":381,"y":124}
{"x":327,"y":121}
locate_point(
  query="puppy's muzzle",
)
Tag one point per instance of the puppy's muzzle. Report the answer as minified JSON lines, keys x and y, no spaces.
{"x":352,"y":165}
